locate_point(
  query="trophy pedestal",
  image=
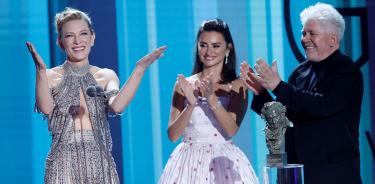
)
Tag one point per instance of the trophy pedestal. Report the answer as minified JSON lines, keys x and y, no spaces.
{"x":276,"y":160}
{"x":291,"y":173}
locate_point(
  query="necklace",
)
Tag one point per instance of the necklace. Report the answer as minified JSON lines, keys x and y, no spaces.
{"x":76,"y":70}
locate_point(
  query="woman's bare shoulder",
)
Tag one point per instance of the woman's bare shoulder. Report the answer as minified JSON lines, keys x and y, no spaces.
{"x":54,"y":76}
{"x":104,"y":73}
{"x":55,"y":71}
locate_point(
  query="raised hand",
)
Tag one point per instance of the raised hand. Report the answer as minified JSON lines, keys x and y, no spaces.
{"x":43,"y":96}
{"x":249,"y":78}
{"x":268,"y":76}
{"x":151,"y":57}
{"x":187,"y":88}
{"x":38,"y":61}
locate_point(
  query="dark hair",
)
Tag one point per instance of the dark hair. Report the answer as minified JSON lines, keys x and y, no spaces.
{"x":228,"y":73}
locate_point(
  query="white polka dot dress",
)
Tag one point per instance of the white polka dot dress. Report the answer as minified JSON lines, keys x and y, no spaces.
{"x":206,"y":154}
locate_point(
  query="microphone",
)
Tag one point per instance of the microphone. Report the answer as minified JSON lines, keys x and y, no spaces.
{"x":95,"y":90}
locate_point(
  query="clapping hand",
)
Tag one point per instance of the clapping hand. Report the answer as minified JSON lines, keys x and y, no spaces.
{"x":151,"y":57}
{"x":268,"y":76}
{"x":249,"y":78}
{"x":38,"y":61}
{"x":188,"y":89}
{"x":206,"y":87}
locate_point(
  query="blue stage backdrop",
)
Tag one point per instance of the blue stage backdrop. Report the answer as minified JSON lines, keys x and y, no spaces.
{"x":128,"y":29}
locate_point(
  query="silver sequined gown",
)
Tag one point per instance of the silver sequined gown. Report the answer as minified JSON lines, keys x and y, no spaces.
{"x":79,"y":156}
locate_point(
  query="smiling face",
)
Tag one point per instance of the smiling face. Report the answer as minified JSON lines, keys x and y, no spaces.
{"x":212,"y":48}
{"x":76,"y":39}
{"x":317,"y":42}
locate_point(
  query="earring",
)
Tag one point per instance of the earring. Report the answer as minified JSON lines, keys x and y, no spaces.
{"x":226,"y":58}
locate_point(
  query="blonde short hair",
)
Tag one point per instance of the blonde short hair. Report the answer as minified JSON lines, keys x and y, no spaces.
{"x":69,"y":14}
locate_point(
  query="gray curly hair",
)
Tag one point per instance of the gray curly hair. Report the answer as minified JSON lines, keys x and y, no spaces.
{"x":326,"y":14}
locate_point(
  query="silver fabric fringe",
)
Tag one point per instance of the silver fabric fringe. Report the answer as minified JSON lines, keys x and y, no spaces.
{"x":79,"y":156}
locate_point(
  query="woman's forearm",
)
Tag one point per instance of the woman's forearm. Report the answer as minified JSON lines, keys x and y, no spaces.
{"x":225,"y":120}
{"x":128,"y":90}
{"x":43,"y":95}
{"x":177,"y":127}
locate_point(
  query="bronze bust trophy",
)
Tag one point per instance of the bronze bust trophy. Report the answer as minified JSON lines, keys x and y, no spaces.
{"x":276,"y":124}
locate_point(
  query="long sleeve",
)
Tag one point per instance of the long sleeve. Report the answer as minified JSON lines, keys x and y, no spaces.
{"x":341,"y":87}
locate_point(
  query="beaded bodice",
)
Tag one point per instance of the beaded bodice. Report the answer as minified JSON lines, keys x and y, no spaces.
{"x":66,"y":98}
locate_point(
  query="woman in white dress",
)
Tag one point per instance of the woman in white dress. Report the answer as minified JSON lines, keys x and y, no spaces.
{"x":207,"y":110}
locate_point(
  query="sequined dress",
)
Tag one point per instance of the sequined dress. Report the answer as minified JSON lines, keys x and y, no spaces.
{"x":79,"y":156}
{"x":206,"y":155}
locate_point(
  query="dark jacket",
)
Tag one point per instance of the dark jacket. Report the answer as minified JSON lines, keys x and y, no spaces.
{"x":323,"y":100}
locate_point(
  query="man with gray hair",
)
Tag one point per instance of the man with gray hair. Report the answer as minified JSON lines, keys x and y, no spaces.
{"x":323,"y":97}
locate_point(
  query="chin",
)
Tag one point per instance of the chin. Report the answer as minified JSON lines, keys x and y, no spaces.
{"x":310,"y":57}
{"x":313,"y":59}
{"x":77,"y":59}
